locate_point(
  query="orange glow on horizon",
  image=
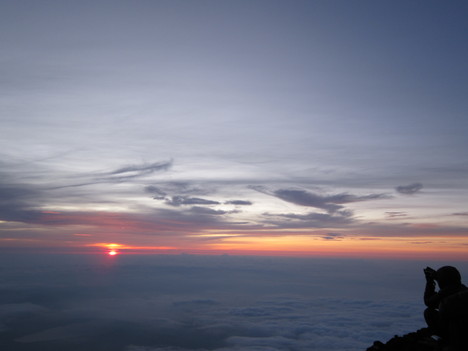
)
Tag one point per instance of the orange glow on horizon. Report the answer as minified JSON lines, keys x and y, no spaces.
{"x":365,"y":247}
{"x":132,"y":235}
{"x":440,"y":247}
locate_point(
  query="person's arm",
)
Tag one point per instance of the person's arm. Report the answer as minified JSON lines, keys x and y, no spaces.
{"x":431,"y":297}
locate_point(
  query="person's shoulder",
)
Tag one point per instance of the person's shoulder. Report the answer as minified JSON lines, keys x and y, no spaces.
{"x":452,"y":289}
{"x":457,"y":302}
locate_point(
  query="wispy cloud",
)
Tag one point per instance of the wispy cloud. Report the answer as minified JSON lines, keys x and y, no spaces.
{"x":120,"y":175}
{"x":410,"y":189}
{"x":395,"y":214}
{"x":134,"y":171}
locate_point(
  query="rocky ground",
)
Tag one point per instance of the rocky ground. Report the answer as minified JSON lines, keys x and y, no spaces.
{"x":417,"y":341}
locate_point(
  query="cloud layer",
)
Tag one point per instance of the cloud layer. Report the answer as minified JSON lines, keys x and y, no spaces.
{"x":216,"y":303}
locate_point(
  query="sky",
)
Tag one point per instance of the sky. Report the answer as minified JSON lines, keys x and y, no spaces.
{"x":312,"y":128}
{"x":206,"y":303}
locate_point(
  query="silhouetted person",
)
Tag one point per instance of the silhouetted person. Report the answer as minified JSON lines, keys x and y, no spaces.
{"x":447,"y":309}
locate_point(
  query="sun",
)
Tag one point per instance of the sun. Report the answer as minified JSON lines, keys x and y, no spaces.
{"x":112,"y":253}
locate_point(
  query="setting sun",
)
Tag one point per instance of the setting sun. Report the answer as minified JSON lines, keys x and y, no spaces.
{"x":112,"y":253}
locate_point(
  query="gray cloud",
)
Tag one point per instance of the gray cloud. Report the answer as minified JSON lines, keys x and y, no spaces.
{"x":239,"y":202}
{"x":410,"y":189}
{"x":133,"y":171}
{"x":183,"y":200}
{"x":329,"y":203}
{"x":25,"y":203}
{"x":138,"y":170}
{"x":333,"y":236}
{"x":348,"y":198}
{"x":460,"y":214}
{"x":178,"y":188}
{"x":18,"y":201}
{"x":179,"y":193}
{"x":158,"y":194}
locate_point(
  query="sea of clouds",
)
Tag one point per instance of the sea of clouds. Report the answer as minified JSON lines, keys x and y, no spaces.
{"x":221,"y":303}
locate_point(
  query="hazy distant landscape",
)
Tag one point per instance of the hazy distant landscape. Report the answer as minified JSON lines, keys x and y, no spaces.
{"x":185,"y":302}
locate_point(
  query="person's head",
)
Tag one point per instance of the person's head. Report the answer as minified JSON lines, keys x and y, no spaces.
{"x":447,"y":276}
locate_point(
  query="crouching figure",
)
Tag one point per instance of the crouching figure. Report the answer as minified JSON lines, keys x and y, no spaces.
{"x":447,"y":309}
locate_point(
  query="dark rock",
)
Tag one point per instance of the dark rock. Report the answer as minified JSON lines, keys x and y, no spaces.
{"x":420,"y":340}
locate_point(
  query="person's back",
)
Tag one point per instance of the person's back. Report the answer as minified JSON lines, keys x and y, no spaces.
{"x":454,"y":312}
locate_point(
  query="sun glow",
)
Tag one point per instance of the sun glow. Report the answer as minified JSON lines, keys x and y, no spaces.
{"x":306,"y":245}
{"x":118,"y":248}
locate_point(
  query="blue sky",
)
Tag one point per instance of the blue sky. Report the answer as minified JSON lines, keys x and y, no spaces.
{"x":217,"y":125}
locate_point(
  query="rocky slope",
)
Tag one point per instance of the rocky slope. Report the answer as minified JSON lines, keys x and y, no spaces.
{"x":417,"y":341}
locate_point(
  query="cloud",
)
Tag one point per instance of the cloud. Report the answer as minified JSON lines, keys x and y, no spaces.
{"x":177,"y":188}
{"x":17,"y":202}
{"x":396,"y":214}
{"x":329,"y":203}
{"x":410,"y":189}
{"x":127,"y":173}
{"x":216,"y":303}
{"x":239,"y":202}
{"x":15,"y":309}
{"x":460,"y":214}
{"x":158,"y":194}
{"x":120,"y":175}
{"x":206,"y":211}
{"x":34,"y":206}
{"x":81,"y":332}
{"x":311,"y":220}
{"x":420,"y":242}
{"x":157,"y":222}
{"x":179,"y":193}
{"x":29,"y":202}
{"x":183,"y":200}
{"x":197,"y":302}
{"x":139,"y":170}
{"x":333,"y":236}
